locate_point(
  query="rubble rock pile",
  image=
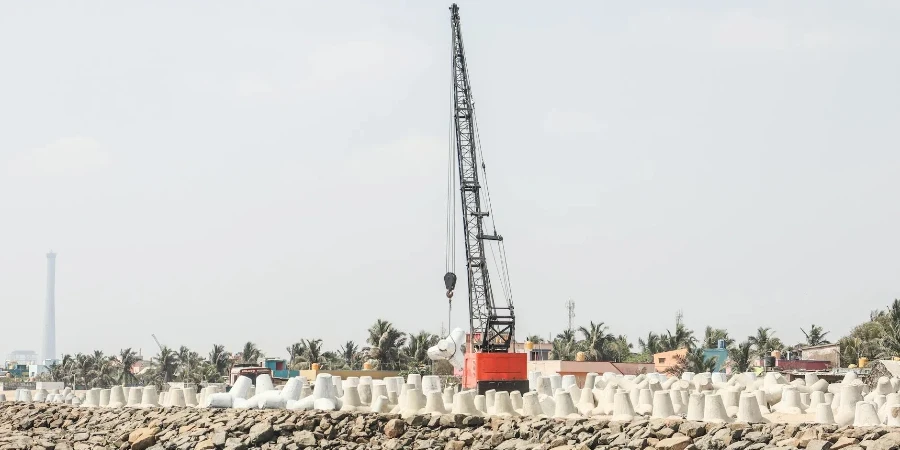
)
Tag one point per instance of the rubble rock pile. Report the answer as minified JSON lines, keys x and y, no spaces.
{"x":64,"y":427}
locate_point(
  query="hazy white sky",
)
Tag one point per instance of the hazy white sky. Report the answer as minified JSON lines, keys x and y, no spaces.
{"x":217,"y":172}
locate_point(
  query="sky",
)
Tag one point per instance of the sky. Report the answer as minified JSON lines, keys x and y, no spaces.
{"x":223,"y":171}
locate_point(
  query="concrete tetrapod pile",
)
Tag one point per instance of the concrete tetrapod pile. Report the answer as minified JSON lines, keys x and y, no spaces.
{"x":706,"y":397}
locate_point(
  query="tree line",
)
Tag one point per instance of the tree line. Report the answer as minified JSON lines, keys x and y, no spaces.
{"x":385,"y":348}
{"x":388,"y":348}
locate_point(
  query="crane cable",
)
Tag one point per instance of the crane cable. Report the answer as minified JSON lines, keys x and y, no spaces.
{"x":450,"y":249}
{"x":500,"y":262}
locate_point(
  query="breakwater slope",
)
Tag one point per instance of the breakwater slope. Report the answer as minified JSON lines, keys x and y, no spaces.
{"x":63,"y":427}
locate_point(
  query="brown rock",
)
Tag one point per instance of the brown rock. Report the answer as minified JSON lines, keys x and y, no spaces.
{"x":789,"y":442}
{"x":455,"y":445}
{"x":674,"y":443}
{"x":394,"y":428}
{"x":143,"y":442}
{"x":844,"y":442}
{"x":818,"y":444}
{"x":140,"y":432}
{"x":205,"y":445}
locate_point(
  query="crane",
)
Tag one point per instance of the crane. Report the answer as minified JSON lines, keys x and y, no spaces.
{"x":489,"y":363}
{"x":157,"y":341}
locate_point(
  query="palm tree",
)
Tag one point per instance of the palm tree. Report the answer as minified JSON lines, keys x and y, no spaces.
{"x":127,"y":358}
{"x":619,"y":348}
{"x":535,"y":339}
{"x":251,"y":354}
{"x":681,"y":338}
{"x":596,"y":341}
{"x":711,"y":337}
{"x":416,"y":351}
{"x":764,"y":341}
{"x":815,"y":335}
{"x":651,"y":345}
{"x":568,"y":335}
{"x":166,"y":364}
{"x":741,"y":356}
{"x":694,"y":360}
{"x":296,"y":351}
{"x":385,"y":342}
{"x":219,"y":359}
{"x":563,"y":350}
{"x":349,"y":353}
{"x":99,"y":370}
{"x":312,"y":352}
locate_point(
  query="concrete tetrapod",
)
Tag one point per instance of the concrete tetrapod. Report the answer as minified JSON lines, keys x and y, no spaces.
{"x":464,"y":403}
{"x":565,"y":408}
{"x":790,"y":401}
{"x":748,"y":409}
{"x":849,"y":397}
{"x":149,"y":396}
{"x":892,"y":399}
{"x":380,"y":405}
{"x":378,"y":389}
{"x":824,"y":414}
{"x":695,"y":407}
{"x":622,"y":409}
{"x":104,"y":397}
{"x":714,"y":409}
{"x":555,"y":382}
{"x":116,"y":397}
{"x":338,"y":386}
{"x":481,"y":404}
{"x":865,"y":415}
{"x":503,"y":406}
{"x":434,"y":403}
{"x":882,"y":387}
{"x":489,"y":399}
{"x":176,"y":397}
{"x":448,"y":395}
{"x":270,"y":400}
{"x":678,"y":405}
{"x":263,"y":384}
{"x":291,"y":389}
{"x":607,"y":401}
{"x":515,"y":397}
{"x":91,"y":398}
{"x":645,"y":402}
{"x":543,"y":386}
{"x":413,"y":404}
{"x":241,"y":387}
{"x":351,"y":401}
{"x":365,"y":392}
{"x":531,"y":406}
{"x":893,"y":415}
{"x":431,"y":383}
{"x":761,"y":400}
{"x":134,"y":396}
{"x":662,"y":405}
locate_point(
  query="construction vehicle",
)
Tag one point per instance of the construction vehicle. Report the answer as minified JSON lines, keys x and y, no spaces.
{"x":488,"y":362}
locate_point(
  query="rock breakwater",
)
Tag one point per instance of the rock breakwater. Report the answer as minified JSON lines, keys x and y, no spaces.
{"x":63,"y":427}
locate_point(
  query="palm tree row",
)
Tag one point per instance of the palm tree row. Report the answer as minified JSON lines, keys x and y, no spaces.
{"x":596,"y":343}
{"x":386,"y":348}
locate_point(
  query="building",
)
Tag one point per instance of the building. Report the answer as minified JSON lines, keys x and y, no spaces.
{"x":581,"y":368}
{"x":279,"y":368}
{"x":830,"y":353}
{"x":666,"y":361}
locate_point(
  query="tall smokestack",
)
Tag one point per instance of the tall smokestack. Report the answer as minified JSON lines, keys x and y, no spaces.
{"x":49,"y":344}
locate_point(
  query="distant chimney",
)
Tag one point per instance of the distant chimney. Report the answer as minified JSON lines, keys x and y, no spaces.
{"x":49,"y":344}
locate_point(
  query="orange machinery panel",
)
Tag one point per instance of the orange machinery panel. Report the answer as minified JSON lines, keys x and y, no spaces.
{"x":494,"y":367}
